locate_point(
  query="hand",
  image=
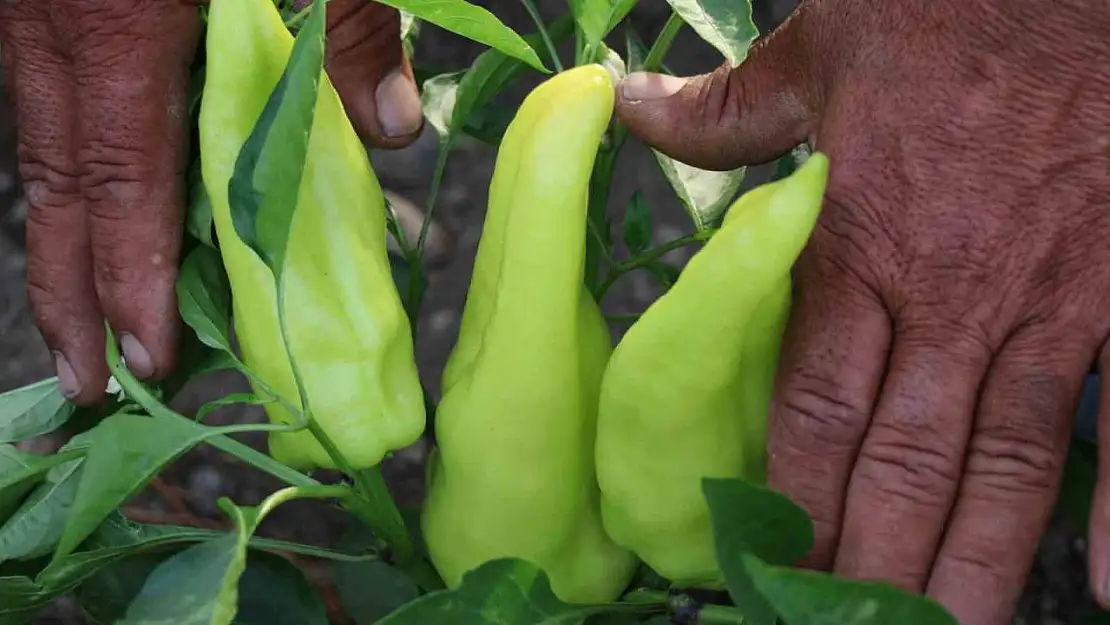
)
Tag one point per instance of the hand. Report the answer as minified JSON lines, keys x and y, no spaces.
{"x":100,"y":92}
{"x":957,"y":287}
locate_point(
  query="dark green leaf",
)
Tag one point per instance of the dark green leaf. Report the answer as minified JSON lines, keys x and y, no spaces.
{"x":1078,"y":484}
{"x":20,"y":472}
{"x":620,"y":10}
{"x":402,"y":273}
{"x":499,"y":592}
{"x":489,"y":123}
{"x":199,"y":214}
{"x":204,"y":298}
{"x":805,"y":597}
{"x":37,"y":525}
{"x":665,"y":273}
{"x":705,"y":194}
{"x":724,"y":24}
{"x":637,"y":50}
{"x":637,"y":226}
{"x":33,"y":410}
{"x":472,"y":22}
{"x":273,"y":591}
{"x":106,"y":594}
{"x":781,"y":533}
{"x":189,"y":588}
{"x":265,"y":184}
{"x":492,"y":72}
{"x":17,"y":595}
{"x":125,"y":452}
{"x":371,"y":590}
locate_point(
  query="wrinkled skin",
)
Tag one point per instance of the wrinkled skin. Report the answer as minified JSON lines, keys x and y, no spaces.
{"x":949,"y":303}
{"x":957,"y":288}
{"x":100,"y":93}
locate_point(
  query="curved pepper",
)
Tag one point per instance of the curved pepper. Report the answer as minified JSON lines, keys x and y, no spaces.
{"x":513,"y":474}
{"x":686,"y":391}
{"x":347,"y":328}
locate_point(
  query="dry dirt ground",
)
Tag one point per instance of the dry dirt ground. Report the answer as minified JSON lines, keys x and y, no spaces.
{"x":188,"y":491}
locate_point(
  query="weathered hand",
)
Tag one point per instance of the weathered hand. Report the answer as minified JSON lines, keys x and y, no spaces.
{"x":100,"y":93}
{"x":957,"y":288}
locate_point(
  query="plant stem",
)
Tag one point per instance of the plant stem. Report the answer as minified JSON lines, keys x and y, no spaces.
{"x":663,"y":43}
{"x":378,"y":509}
{"x":416,"y":262}
{"x":155,"y":408}
{"x":601,"y":180}
{"x":646,"y":257}
{"x":719,"y":615}
{"x":534,"y":13}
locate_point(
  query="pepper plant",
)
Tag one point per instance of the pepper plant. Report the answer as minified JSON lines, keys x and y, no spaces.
{"x":286,"y":251}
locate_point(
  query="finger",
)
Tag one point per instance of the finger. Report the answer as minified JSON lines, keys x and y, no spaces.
{"x":731,"y":117}
{"x":834,"y":355}
{"x":909,"y":467}
{"x":1011,"y":476}
{"x":1099,"y":534}
{"x":132,"y":67}
{"x":366,"y":63}
{"x":60,"y":283}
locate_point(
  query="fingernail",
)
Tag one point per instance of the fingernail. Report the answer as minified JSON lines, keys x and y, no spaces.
{"x":68,"y":383}
{"x":647,"y":86}
{"x":138,"y":359}
{"x":399,"y":110}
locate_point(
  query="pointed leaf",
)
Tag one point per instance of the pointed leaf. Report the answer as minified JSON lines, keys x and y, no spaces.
{"x":637,"y":226}
{"x":805,"y":597}
{"x":37,"y":525}
{"x":705,"y":194}
{"x":33,"y":410}
{"x":265,"y":184}
{"x":592,"y":17}
{"x":781,"y":533}
{"x":125,"y":452}
{"x":472,"y":22}
{"x":724,"y":24}
{"x":20,"y":472}
{"x":204,"y":298}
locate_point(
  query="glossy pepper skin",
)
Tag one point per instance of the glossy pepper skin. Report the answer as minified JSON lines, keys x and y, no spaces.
{"x":513,"y":474}
{"x":686,"y":391}
{"x":348,"y":330}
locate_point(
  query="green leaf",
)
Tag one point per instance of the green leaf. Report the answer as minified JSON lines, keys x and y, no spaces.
{"x":37,"y":525}
{"x":371,"y":590}
{"x":620,"y":10}
{"x":198,"y":219}
{"x":492,"y":72}
{"x":125,"y":452}
{"x":1078,"y":484}
{"x":201,"y":584}
{"x":781,"y":533}
{"x":592,"y":17}
{"x":472,"y":22}
{"x":33,"y":410}
{"x":191,"y":587}
{"x":804,"y":597}
{"x":500,"y":592}
{"x":705,"y":194}
{"x":204,"y":298}
{"x":664,"y":273}
{"x":266,"y":181}
{"x":272,"y":590}
{"x":637,"y":226}
{"x":724,"y":24}
{"x":20,"y":472}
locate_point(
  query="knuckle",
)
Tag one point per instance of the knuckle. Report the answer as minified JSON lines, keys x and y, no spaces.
{"x":815,"y":420}
{"x":907,"y":464}
{"x":1010,"y":460}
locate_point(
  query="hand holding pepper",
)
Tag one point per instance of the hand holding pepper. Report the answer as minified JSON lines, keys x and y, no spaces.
{"x":100,"y":92}
{"x":956,"y":289}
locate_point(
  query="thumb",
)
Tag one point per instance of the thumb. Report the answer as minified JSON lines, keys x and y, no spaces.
{"x":746,"y":115}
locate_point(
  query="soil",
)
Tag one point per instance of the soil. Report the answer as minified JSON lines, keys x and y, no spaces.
{"x":186,"y":493}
